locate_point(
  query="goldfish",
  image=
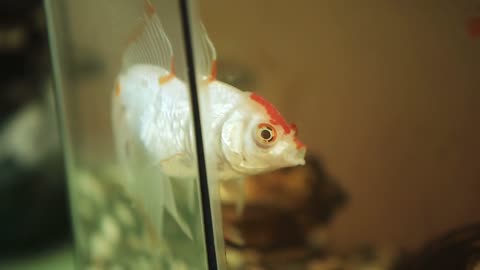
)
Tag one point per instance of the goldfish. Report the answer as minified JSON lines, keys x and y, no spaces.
{"x":153,"y":122}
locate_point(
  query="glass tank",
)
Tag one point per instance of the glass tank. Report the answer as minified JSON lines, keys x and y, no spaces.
{"x":135,"y":194}
{"x":265,"y":135}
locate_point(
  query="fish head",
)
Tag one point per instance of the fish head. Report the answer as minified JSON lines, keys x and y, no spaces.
{"x":254,"y":142}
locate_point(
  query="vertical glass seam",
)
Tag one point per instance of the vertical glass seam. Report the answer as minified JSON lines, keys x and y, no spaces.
{"x":203,"y":181}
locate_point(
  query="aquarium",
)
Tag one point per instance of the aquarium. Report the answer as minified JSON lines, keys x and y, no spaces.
{"x":128,"y":213}
{"x":265,"y":135}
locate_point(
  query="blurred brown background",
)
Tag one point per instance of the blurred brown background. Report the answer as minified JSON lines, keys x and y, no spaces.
{"x":385,"y":92}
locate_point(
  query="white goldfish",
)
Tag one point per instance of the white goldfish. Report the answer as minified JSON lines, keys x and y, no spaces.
{"x":153,"y":126}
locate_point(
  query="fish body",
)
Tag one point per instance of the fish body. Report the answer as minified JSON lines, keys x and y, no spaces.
{"x":153,"y":128}
{"x":162,"y":116}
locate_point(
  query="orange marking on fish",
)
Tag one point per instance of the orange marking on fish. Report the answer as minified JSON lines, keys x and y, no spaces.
{"x":136,"y":33}
{"x":213,"y":72}
{"x":170,"y":75}
{"x":298,"y":143}
{"x":118,"y":89}
{"x":275,"y":117}
{"x":294,"y":128}
{"x":166,"y":78}
{"x":149,"y":8}
{"x":473,"y":27}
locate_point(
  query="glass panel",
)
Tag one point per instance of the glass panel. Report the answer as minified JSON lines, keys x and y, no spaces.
{"x":131,"y":156}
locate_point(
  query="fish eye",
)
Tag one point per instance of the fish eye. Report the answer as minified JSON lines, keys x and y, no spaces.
{"x":266,"y":134}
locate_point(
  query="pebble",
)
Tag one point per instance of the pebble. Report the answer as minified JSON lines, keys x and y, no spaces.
{"x":101,"y":249}
{"x":124,"y":215}
{"x":110,"y":229}
{"x":90,"y":188}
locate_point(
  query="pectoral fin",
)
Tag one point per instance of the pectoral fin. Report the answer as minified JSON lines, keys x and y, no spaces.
{"x":235,"y":191}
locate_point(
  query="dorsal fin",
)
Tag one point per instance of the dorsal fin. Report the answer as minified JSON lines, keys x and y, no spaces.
{"x":207,"y":54}
{"x":148,"y":43}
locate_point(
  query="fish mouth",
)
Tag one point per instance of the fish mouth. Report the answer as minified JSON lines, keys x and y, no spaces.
{"x":296,"y":156}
